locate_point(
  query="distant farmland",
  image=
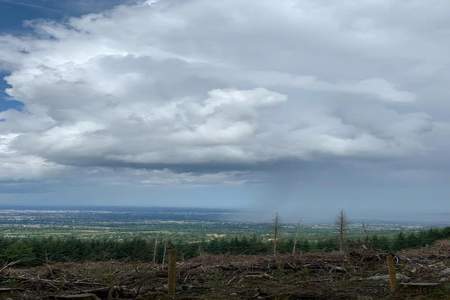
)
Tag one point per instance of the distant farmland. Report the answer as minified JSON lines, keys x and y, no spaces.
{"x":187,"y":224}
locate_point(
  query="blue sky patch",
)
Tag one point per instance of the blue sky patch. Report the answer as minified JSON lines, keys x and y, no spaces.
{"x":13,"y":13}
{"x":5,"y":101}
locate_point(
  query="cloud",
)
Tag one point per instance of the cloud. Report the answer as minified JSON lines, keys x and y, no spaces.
{"x":202,"y":91}
{"x":163,"y":177}
{"x":18,"y":167}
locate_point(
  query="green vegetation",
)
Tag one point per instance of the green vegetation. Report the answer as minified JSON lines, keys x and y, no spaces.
{"x":193,"y":231}
{"x":34,"y":251}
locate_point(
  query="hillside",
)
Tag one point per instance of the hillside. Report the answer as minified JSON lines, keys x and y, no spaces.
{"x":358,"y":275}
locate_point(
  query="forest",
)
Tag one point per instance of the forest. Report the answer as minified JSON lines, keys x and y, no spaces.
{"x":36,"y":251}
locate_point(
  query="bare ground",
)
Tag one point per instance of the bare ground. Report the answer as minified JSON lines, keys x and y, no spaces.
{"x":423,"y":274}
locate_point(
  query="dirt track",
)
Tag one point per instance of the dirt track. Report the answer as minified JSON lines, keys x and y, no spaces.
{"x":358,"y":275}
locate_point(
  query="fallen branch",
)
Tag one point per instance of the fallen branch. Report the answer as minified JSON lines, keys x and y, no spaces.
{"x":9,"y":265}
{"x":420,"y":284}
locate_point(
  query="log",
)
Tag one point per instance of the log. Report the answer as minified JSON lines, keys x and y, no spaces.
{"x":78,"y":297}
{"x":9,"y":293}
{"x":420,"y":284}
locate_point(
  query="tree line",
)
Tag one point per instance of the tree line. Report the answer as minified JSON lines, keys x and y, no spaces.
{"x":35,"y":251}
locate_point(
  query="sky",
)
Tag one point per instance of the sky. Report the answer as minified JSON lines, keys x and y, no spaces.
{"x":303,"y":107}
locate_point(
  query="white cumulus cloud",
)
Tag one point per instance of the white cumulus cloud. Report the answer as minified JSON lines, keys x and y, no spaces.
{"x":185,"y":88}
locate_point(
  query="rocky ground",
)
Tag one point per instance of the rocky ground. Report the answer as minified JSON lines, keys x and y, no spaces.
{"x":422,"y":274}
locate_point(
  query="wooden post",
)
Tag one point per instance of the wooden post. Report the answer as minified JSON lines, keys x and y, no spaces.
{"x":392,"y":272}
{"x":172,"y":270}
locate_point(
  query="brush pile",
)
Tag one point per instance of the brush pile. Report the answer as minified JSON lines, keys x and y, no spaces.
{"x":362,"y":274}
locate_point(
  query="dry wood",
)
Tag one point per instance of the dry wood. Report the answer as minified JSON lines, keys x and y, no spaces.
{"x":421,"y":284}
{"x":312,"y":275}
{"x":155,"y":250}
{"x":231,"y":280}
{"x":392,"y":273}
{"x":78,"y":297}
{"x":172,"y":271}
{"x":275,"y":234}
{"x":297,"y":230}
{"x":9,"y":265}
{"x":164,"y":255}
{"x":262,"y":275}
{"x":342,"y":223}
